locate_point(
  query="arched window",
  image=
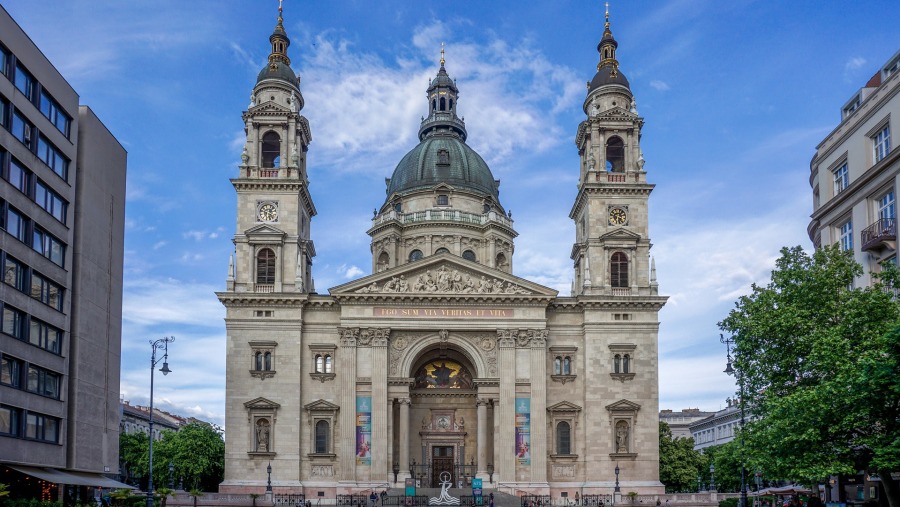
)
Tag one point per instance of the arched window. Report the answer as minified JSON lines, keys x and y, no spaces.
{"x":615,"y":155}
{"x":443,"y":104}
{"x":557,"y":365}
{"x":433,"y":104}
{"x":383,"y":261}
{"x":320,"y":364}
{"x":626,"y":363}
{"x":322,"y":437}
{"x":258,"y":363}
{"x":268,"y":361}
{"x":415,"y":255}
{"x":469,"y":256}
{"x":451,"y":104}
{"x":271,"y":150}
{"x":617,"y":364}
{"x":327,"y":364}
{"x":618,"y":270}
{"x":441,"y":250}
{"x":563,"y":438}
{"x":567,"y":365}
{"x":265,"y":266}
{"x":501,"y":261}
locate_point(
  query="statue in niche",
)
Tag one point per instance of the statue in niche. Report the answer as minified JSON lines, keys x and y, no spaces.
{"x":262,"y":436}
{"x":622,"y":437}
{"x":426,"y":422}
{"x":252,"y":100}
{"x":461,"y":422}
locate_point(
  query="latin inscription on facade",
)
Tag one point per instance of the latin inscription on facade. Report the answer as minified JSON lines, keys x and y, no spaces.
{"x":438,"y":313}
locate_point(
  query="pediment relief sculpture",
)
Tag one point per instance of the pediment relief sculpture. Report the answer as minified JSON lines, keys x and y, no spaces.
{"x":443,"y":281}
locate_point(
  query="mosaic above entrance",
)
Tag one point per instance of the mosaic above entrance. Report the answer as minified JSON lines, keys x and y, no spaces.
{"x":443,"y":374}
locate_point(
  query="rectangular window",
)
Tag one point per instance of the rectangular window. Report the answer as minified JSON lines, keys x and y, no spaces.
{"x":841,"y":178}
{"x":43,"y":382}
{"x":50,"y":108}
{"x":53,"y":157}
{"x":46,"y":198}
{"x":443,"y":200}
{"x":4,"y":112}
{"x":10,"y":371}
{"x":882,"y":143}
{"x":13,"y":322}
{"x":14,"y":273}
{"x":4,"y":60}
{"x":41,"y":427}
{"x":18,"y":176}
{"x":886,"y":205}
{"x":21,"y":129}
{"x":25,"y":82}
{"x":44,"y":336}
{"x":15,"y":223}
{"x":847,"y":235}
{"x":9,"y":420}
{"x":49,"y":246}
{"x":46,"y":291}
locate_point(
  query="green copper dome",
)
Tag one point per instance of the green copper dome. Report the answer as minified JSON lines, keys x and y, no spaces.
{"x":442,"y":159}
{"x":277,"y":70}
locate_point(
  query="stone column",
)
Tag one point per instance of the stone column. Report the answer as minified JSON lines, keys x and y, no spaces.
{"x":538,"y":405}
{"x":481,"y":453}
{"x":347,"y":369}
{"x":496,"y":428}
{"x":380,"y":441}
{"x":505,"y":465}
{"x":404,"y":439}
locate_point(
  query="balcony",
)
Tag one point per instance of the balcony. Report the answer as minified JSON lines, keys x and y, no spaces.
{"x":443,"y":216}
{"x":264,"y":288}
{"x":880,"y":235}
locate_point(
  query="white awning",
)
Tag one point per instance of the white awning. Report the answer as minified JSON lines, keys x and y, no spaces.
{"x":74,"y":478}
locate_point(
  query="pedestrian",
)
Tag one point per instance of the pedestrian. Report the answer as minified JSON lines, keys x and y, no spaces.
{"x":372,"y":498}
{"x":658,"y":502}
{"x":667,"y":502}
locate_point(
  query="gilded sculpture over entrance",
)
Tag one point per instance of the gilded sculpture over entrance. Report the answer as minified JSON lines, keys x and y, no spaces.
{"x":443,"y":374}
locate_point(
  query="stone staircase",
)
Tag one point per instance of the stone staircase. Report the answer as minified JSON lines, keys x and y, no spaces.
{"x":500,"y":499}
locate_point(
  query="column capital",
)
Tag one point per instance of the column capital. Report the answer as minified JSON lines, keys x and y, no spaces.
{"x":538,"y":338}
{"x":506,"y":338}
{"x":374,"y":336}
{"x":349,"y":336}
{"x":482,"y":402}
{"x":404,"y":401}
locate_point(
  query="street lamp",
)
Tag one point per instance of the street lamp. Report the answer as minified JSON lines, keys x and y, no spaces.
{"x":699,"y":483}
{"x":162,"y":342}
{"x":712,"y":476}
{"x":731,"y":371}
{"x":171,"y":479}
{"x":617,"y":478}
{"x":269,"y":482}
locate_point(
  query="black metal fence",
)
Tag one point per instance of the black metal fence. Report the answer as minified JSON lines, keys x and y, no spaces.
{"x":289,"y":500}
{"x":424,"y":473}
{"x":535,"y":500}
{"x":353,"y":500}
{"x":409,"y":501}
{"x":595,"y":500}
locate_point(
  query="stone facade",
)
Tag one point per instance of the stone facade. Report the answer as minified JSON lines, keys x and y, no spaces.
{"x":442,"y":360}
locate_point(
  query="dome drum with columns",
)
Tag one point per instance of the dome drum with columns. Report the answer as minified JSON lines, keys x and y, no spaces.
{"x":441,"y":361}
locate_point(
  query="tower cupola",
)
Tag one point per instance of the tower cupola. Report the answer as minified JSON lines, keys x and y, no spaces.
{"x":442,"y":94}
{"x":279,"y":64}
{"x":608,"y":72}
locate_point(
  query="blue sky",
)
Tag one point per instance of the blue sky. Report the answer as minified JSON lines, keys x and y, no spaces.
{"x":735,"y":94}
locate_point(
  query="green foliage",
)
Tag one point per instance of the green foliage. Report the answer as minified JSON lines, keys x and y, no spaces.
{"x":679,"y":463}
{"x":726,"y":459}
{"x":729,"y":502}
{"x":819,"y":364}
{"x":196,"y":450}
{"x":120,"y":496}
{"x":4,"y":489}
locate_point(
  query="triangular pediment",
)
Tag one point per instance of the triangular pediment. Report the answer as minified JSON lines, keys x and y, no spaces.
{"x":443,"y":274}
{"x":621,"y":234}
{"x":617,"y":113}
{"x":443,"y":186}
{"x":623,"y":406}
{"x":564,"y":406}
{"x":264,"y":231}
{"x":269,"y":107}
{"x":261,"y":404}
{"x":321,"y":406}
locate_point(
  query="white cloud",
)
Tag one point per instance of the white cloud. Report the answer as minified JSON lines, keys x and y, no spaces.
{"x":353,"y":272}
{"x":660,"y":85}
{"x":854,"y":63}
{"x":160,"y":244}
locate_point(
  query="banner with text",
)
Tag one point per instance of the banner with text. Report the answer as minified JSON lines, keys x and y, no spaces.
{"x":523,"y":431}
{"x":363,"y":430}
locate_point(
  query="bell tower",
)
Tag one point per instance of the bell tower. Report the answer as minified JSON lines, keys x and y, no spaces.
{"x":273,"y":249}
{"x":612,"y":245}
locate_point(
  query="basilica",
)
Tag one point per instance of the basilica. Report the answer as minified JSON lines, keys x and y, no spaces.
{"x":442,"y":361}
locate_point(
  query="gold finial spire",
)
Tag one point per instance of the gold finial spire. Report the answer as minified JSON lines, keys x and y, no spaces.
{"x":607,"y":15}
{"x":442,"y":54}
{"x":280,"y":9}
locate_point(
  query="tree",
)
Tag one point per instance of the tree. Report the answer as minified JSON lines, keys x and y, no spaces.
{"x":133,"y":453}
{"x":726,"y":458}
{"x":198,"y":453}
{"x":163,"y":494}
{"x":819,"y":363}
{"x":679,"y":463}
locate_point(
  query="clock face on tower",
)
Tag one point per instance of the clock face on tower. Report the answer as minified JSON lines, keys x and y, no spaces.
{"x":267,"y":212}
{"x":617,"y":216}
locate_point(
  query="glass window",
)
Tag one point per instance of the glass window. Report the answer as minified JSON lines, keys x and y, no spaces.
{"x":14,"y":273}
{"x":50,"y":201}
{"x":53,"y":157}
{"x":328,"y":364}
{"x":21,"y":129}
{"x":258,"y":363}
{"x":44,"y":336}
{"x":25,"y":82}
{"x":9,"y":420}
{"x":567,"y":365}
{"x":13,"y":322}
{"x":841,"y":178}
{"x":15,"y":224}
{"x":18,"y":176}
{"x":618,"y":270}
{"x":268,"y":361}
{"x":321,"y":437}
{"x":41,"y":427}
{"x":48,"y":246}
{"x":882,"y":142}
{"x":320,"y":364}
{"x":886,"y":206}
{"x":443,"y":200}
{"x":43,"y":382}
{"x":4,"y":112}
{"x":847,"y":235}
{"x":46,"y":291}
{"x":469,"y":256}
{"x":626,"y":363}
{"x":617,"y":366}
{"x":4,"y":61}
{"x":557,"y":366}
{"x":563,"y":438}
{"x":415,"y":255}
{"x":265,"y":267}
{"x":10,"y":371}
{"x":50,"y":108}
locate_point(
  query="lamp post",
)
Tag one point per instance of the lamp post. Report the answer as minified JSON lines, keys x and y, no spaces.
{"x":162,"y":342}
{"x":731,"y":371}
{"x":171,"y":478}
{"x":712,"y":477}
{"x":617,"y":490}
{"x":269,"y":481}
{"x":699,"y":484}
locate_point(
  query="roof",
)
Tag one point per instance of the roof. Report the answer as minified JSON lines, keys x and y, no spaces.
{"x":462,"y":167}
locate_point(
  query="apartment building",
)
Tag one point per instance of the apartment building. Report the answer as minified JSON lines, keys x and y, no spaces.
{"x":62,"y":213}
{"x":854,"y":175}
